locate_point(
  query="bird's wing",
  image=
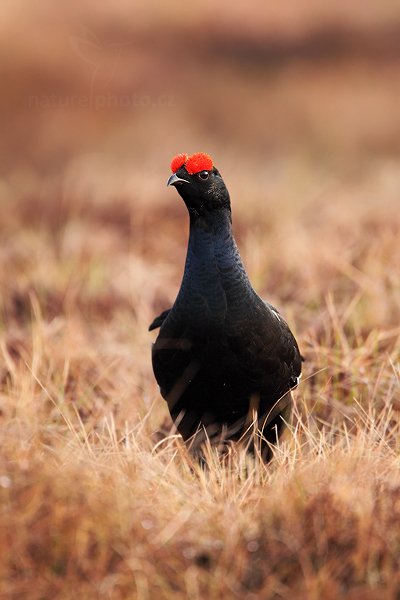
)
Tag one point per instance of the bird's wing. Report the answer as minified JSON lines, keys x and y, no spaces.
{"x":266,"y":348}
{"x":158,"y":321}
{"x":286,"y":345}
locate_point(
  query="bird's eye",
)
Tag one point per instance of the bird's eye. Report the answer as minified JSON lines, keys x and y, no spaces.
{"x":203,"y":175}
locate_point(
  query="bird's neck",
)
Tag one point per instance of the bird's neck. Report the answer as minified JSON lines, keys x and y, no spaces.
{"x":215,"y":289}
{"x":212,"y":254}
{"x":215,"y":222}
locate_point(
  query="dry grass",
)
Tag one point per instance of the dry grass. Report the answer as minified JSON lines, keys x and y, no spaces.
{"x":98,"y":497}
{"x":95,"y":503}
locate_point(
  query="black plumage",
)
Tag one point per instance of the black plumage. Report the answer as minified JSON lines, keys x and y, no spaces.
{"x":224,"y":359}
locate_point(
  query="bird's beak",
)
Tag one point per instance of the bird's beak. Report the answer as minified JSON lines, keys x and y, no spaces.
{"x":175,"y":180}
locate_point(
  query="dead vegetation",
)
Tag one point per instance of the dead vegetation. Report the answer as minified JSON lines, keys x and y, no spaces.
{"x":98,"y":498}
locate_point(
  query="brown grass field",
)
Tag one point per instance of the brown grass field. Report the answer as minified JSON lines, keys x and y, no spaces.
{"x":300,"y":110}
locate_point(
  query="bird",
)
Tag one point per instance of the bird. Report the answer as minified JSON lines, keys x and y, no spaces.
{"x":225,"y":360}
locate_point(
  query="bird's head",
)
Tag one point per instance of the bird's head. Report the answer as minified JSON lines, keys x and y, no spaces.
{"x":199,"y":183}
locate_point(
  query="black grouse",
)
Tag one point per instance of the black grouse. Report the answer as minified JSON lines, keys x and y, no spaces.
{"x":224,"y":359}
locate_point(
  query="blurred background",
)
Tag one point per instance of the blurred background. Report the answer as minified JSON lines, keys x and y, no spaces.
{"x":133,"y":83}
{"x":298,"y":104}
